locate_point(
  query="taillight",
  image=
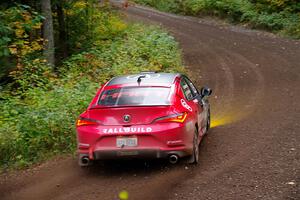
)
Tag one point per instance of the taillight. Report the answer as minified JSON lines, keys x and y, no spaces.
{"x":180,"y":118}
{"x":85,"y":122}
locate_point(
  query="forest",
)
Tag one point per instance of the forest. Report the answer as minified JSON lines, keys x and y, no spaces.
{"x":53,"y":56}
{"x":278,"y":16}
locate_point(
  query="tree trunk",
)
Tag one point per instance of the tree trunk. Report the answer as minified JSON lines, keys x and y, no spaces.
{"x":48,"y":31}
{"x":63,"y":45}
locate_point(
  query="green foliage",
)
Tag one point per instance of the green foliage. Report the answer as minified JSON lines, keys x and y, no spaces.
{"x":41,"y":124}
{"x":137,"y":49}
{"x":166,"y":5}
{"x":18,"y":26}
{"x":33,"y":73}
{"x":281,"y":16}
{"x":87,"y":22}
{"x":81,"y":23}
{"x":37,"y":120}
{"x":143,"y":49}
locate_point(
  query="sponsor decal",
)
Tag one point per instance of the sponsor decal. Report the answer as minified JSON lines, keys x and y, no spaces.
{"x":174,"y":142}
{"x":184,"y":104}
{"x":127,"y":130}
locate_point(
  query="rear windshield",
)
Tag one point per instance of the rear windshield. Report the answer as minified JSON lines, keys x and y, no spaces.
{"x":136,"y":96}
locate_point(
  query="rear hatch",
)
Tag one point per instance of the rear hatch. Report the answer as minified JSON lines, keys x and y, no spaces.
{"x":131,"y":105}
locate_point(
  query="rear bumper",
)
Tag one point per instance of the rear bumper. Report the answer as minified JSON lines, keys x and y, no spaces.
{"x":163,"y":140}
{"x":135,"y":153}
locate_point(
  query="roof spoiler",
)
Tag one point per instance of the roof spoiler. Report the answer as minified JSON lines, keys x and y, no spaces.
{"x":148,"y":72}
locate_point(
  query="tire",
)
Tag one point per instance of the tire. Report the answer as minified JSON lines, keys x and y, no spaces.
{"x":194,"y":158}
{"x":208,"y":121}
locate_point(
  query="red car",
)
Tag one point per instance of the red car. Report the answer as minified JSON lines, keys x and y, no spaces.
{"x":146,"y":115}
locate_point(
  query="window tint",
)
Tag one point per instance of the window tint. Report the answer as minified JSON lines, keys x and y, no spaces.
{"x":155,"y":78}
{"x":186,"y":90}
{"x":135,"y":96}
{"x":193,"y":88}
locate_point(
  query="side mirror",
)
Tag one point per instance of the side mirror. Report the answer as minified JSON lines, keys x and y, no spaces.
{"x":205,"y":91}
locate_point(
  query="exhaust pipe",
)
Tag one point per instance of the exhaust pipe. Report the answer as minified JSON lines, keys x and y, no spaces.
{"x":84,"y":161}
{"x":173,"y":159}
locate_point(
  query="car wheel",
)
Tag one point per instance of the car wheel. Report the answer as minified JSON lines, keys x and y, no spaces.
{"x":194,"y":158}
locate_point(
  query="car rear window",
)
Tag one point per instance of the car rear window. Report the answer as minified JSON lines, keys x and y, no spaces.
{"x":135,"y":96}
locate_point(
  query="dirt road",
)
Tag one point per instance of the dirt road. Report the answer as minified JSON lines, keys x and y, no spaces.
{"x":251,"y":153}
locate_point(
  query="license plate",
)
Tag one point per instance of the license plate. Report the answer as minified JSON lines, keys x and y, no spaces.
{"x":129,"y":142}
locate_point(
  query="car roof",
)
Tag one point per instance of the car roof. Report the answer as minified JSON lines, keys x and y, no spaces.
{"x":147,"y":78}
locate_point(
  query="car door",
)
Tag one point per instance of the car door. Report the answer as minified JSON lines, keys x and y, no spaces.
{"x":192,"y":101}
{"x":201,"y":104}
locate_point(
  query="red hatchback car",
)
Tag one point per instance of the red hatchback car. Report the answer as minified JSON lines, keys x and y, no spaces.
{"x":146,"y":115}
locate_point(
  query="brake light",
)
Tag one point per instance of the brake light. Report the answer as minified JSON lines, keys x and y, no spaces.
{"x":85,"y":122}
{"x":180,"y":118}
